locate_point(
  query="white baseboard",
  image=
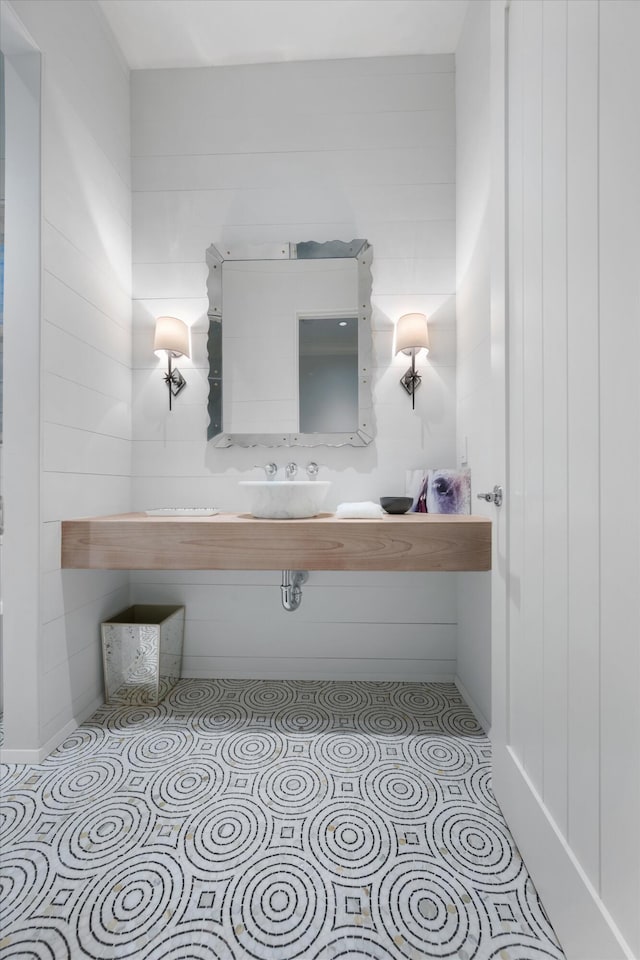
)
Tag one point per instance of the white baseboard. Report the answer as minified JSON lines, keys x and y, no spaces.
{"x":37,"y":756}
{"x":580,"y":919}
{"x":475,"y":709}
{"x":318,"y":668}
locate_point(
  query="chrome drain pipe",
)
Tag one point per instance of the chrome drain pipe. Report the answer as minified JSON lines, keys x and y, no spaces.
{"x":291,"y":588}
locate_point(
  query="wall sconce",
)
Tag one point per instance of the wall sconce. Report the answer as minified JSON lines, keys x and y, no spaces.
{"x":172,"y":338}
{"x":412,"y":336}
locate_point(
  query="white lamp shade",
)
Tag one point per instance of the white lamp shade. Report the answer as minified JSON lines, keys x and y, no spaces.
{"x":412,"y":333}
{"x":172,"y":336}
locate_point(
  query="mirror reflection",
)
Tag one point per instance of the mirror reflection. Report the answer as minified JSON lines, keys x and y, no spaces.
{"x":290,"y":345}
{"x":328,"y":374}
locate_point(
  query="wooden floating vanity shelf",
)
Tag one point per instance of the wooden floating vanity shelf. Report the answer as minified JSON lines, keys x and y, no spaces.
{"x":229,"y":541}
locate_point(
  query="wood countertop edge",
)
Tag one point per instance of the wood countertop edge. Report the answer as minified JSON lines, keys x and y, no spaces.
{"x":415,"y":542}
{"x":321,"y":519}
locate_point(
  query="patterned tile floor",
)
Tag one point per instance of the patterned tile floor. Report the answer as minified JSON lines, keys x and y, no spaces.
{"x":267,"y":820}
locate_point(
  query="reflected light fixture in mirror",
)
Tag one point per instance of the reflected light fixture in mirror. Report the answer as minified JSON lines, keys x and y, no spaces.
{"x":412,"y":335}
{"x":172,"y":338}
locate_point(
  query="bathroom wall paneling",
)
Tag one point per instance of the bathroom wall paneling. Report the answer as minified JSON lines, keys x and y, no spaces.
{"x":583,"y":432}
{"x":21,"y":344}
{"x":356,"y":625}
{"x":555,"y":424}
{"x":85,"y":335}
{"x":296,"y":151}
{"x":619,"y":417}
{"x":474,"y":419}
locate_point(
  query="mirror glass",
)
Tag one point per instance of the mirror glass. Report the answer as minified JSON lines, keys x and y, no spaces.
{"x":328,"y":374}
{"x":290,"y":344}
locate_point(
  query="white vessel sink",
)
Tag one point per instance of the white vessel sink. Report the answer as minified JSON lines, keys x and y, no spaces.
{"x":286,"y":499}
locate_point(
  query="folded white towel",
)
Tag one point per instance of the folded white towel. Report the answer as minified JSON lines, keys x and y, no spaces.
{"x":364,"y":510}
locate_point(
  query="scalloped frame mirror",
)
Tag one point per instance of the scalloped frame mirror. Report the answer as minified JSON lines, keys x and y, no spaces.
{"x":275,"y":313}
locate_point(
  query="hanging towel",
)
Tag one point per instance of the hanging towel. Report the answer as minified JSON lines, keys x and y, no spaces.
{"x":364,"y":510}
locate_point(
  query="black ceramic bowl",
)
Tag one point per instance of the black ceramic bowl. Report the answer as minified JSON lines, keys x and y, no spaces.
{"x":396,"y":504}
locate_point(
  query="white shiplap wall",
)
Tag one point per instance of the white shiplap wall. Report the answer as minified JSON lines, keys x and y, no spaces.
{"x":298,"y":151}
{"x":473,"y":324}
{"x":85,"y":341}
{"x":2,"y":198}
{"x":574,"y":672}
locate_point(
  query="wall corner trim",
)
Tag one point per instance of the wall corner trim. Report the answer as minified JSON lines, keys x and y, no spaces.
{"x":37,"y":756}
{"x":475,"y":710}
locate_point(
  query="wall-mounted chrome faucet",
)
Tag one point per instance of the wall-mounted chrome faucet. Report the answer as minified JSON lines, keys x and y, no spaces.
{"x":290,"y":471}
{"x":270,"y":469}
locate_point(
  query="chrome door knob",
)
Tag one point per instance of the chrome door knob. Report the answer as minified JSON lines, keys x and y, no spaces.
{"x":494,"y":497}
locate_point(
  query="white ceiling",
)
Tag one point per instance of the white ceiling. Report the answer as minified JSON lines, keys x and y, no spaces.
{"x":197,"y":33}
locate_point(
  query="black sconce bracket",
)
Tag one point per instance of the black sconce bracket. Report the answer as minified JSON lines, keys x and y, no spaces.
{"x":411,"y":381}
{"x":174,"y":380}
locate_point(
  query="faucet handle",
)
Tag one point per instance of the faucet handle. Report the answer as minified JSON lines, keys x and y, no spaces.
{"x":270,"y":469}
{"x":290,"y":470}
{"x":312,"y":470}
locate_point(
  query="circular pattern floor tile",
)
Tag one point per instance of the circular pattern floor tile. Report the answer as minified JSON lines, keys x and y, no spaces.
{"x":259,"y":820}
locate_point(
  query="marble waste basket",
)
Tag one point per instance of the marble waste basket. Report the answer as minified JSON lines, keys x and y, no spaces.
{"x":142,"y":653}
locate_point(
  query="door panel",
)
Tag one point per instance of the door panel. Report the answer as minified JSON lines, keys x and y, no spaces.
{"x":569,"y":574}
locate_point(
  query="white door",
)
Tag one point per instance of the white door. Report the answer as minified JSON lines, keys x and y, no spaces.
{"x":565,"y":249}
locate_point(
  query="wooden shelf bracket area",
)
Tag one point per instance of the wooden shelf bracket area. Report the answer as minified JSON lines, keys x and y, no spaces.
{"x":230,"y":541}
